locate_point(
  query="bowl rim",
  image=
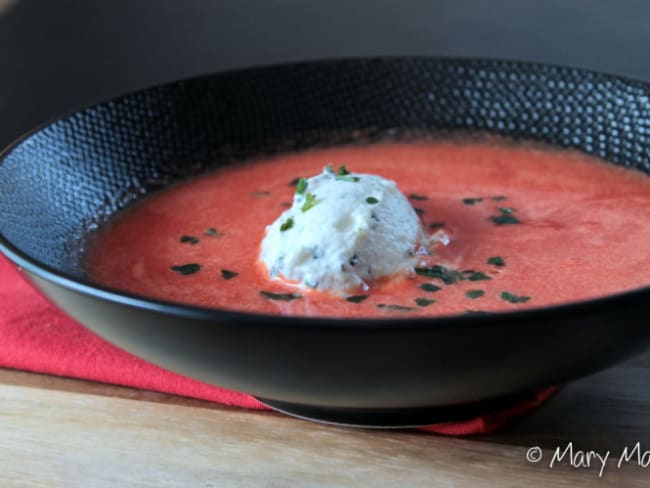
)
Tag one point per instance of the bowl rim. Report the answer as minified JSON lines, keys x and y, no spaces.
{"x":183,"y":310}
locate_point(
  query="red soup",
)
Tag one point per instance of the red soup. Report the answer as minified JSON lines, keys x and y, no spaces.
{"x":528,"y":227}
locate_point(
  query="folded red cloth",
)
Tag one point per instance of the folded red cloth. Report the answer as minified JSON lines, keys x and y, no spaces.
{"x":36,"y":336}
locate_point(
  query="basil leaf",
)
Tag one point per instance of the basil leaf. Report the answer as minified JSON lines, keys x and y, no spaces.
{"x":512,"y":298}
{"x":424,"y":302}
{"x":474,"y":294}
{"x":496,"y":261}
{"x":186,"y":269}
{"x":357,"y":298}
{"x":286,"y":225}
{"x":226,"y":274}
{"x":284,"y":297}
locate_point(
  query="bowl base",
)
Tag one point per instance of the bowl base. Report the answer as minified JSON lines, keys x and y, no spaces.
{"x":395,"y":418}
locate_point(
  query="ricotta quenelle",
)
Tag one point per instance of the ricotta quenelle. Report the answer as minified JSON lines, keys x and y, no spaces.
{"x":343,"y":231}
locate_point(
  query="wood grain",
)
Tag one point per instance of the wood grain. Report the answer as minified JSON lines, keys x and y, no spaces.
{"x":63,"y":432}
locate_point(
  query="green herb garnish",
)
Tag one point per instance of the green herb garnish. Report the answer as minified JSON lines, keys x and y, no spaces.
{"x":187,"y":269}
{"x":310,"y":202}
{"x":474,"y":294}
{"x":226,"y":274}
{"x":357,"y":298}
{"x":436,"y":225}
{"x":471,"y":201}
{"x":284,"y":297}
{"x":448,"y":276}
{"x":352,"y":179}
{"x":191,"y":240}
{"x":505,"y":219}
{"x":287,"y":224}
{"x":496,"y":261}
{"x":301,"y":186}
{"x":512,"y":298}
{"x":342,"y":171}
{"x":413,"y":196}
{"x":294,"y":182}
{"x":330,"y":168}
{"x":418,"y":211}
{"x":372,"y":200}
{"x":430,"y":287}
{"x":477,"y":276}
{"x":424,"y":302}
{"x":396,"y":308}
{"x":498,"y":198}
{"x":211,"y":232}
{"x":506,"y":210}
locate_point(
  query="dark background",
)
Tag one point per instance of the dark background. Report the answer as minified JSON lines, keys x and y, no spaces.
{"x":60,"y":55}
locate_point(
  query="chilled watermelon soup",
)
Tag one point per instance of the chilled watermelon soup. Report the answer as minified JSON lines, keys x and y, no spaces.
{"x":511,"y":227}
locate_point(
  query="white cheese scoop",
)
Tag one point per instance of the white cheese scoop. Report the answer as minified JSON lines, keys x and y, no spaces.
{"x":343,"y":231}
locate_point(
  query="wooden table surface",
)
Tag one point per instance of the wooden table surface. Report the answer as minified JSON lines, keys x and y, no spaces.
{"x":64,"y":432}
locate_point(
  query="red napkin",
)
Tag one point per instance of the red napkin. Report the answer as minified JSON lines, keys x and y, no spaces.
{"x":36,"y":336}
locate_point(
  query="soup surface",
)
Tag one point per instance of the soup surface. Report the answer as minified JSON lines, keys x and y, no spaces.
{"x":526,"y":227}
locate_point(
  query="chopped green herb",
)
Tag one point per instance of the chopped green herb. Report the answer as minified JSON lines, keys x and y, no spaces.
{"x":294,"y":182}
{"x":471,"y":201}
{"x":418,"y":211}
{"x":342,"y":171}
{"x":352,"y":179}
{"x":211,"y":232}
{"x":226,"y":274}
{"x":505,"y":220}
{"x":261,"y":193}
{"x":512,"y":298}
{"x":498,"y":198}
{"x":496,"y":261}
{"x":372,"y":200}
{"x":191,"y":240}
{"x":357,"y":298}
{"x":186,"y":269}
{"x":330,"y":168}
{"x":477,"y":276}
{"x":310,"y":202}
{"x":301,"y":186}
{"x":285,"y":297}
{"x":424,"y":302}
{"x":430,"y":287}
{"x":396,"y":308}
{"x":413,"y":196}
{"x":506,"y":210}
{"x":448,"y":276}
{"x":436,"y":225}
{"x":474,"y":294}
{"x":287,"y":224}
{"x":285,"y":204}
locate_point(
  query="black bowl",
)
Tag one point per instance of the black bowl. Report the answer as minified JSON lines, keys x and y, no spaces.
{"x":61,"y":181}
